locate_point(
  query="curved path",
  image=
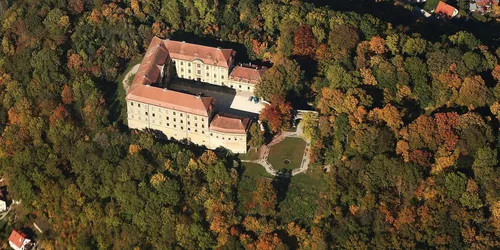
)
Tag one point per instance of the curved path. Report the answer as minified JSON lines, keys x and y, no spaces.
{"x":264,"y":153}
{"x":132,"y":71}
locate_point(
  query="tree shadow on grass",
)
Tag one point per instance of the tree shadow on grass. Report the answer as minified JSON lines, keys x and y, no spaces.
{"x":281,"y":183}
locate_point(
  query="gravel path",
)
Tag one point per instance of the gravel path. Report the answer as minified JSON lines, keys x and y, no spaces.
{"x":132,"y":71}
{"x":264,"y":153}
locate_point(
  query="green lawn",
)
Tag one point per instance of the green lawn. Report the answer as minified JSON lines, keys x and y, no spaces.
{"x":251,"y":155}
{"x":291,"y":149}
{"x":430,"y":5}
{"x":304,"y":179}
{"x":255,"y":170}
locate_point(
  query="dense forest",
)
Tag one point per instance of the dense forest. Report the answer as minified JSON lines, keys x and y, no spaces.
{"x":408,"y":128}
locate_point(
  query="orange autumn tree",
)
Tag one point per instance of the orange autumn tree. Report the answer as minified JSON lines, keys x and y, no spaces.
{"x":304,"y":41}
{"x":277,"y":115}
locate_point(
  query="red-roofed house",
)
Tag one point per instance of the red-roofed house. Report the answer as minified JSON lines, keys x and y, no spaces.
{"x":244,"y":77}
{"x":19,"y":241}
{"x":230,"y":132}
{"x":446,"y":10}
{"x":482,"y":6}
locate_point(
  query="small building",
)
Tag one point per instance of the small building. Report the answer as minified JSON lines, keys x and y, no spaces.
{"x":229,"y":131}
{"x":446,"y":10}
{"x":482,"y":6}
{"x":3,"y":201}
{"x":244,"y":77}
{"x":19,"y":241}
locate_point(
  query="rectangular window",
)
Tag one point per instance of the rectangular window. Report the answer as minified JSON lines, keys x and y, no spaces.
{"x":248,"y":88}
{"x":203,"y":132}
{"x":208,"y":74}
{"x":182,"y":128}
{"x":229,"y":138}
{"x":202,"y":119}
{"x":180,"y":114}
{"x":199,"y":66}
{"x":168,"y":118}
{"x":196,"y":118}
{"x":168,"y":124}
{"x":199,"y":72}
{"x":189,"y":71}
{"x":175,"y":126}
{"x":182,"y":63}
{"x":189,"y":64}
{"x":174,"y":119}
{"x":189,"y":123}
{"x":196,"y":124}
{"x":189,"y":129}
{"x":215,"y":75}
{"x":139,"y":105}
{"x":131,"y":104}
{"x":221,"y":77}
{"x":207,"y":67}
{"x":174,"y":112}
{"x":153,"y":114}
{"x":146,"y":113}
{"x":182,"y":121}
{"x":211,"y":134}
{"x":203,"y":126}
{"x":182,"y":70}
{"x":240,"y":86}
{"x":196,"y":130}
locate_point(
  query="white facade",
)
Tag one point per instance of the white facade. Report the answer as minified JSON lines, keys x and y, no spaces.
{"x":199,"y":71}
{"x":3,"y":206}
{"x":182,"y":126}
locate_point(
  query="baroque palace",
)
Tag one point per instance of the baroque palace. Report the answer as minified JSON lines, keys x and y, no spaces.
{"x":151,"y":105}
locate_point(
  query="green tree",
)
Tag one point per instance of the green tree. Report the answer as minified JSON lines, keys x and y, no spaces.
{"x":256,"y":136}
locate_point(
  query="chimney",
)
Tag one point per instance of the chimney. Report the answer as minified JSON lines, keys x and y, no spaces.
{"x":183,"y":41}
{"x":218,"y":48}
{"x":198,"y":96}
{"x":165,"y":89}
{"x":147,"y":85}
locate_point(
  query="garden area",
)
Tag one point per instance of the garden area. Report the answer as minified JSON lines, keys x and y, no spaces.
{"x":255,"y":170}
{"x":287,"y":154}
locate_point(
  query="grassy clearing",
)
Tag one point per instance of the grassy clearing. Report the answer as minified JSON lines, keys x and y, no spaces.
{"x":251,"y":155}
{"x":289,"y":149}
{"x":430,"y":5}
{"x":255,"y":170}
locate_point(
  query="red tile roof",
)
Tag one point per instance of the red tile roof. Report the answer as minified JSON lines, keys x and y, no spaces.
{"x":247,"y":74}
{"x":17,"y":238}
{"x":229,"y":124}
{"x":209,"y":55}
{"x":445,"y":9}
{"x":172,"y":100}
{"x":149,"y":72}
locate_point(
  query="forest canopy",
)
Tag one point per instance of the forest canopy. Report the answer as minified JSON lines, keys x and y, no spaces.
{"x":408,"y":129}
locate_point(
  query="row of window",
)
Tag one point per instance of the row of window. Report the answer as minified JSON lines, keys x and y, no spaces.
{"x":198,"y":65}
{"x":223,"y":138}
{"x":166,"y":112}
